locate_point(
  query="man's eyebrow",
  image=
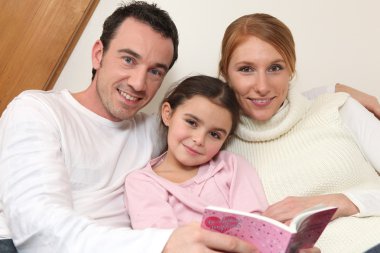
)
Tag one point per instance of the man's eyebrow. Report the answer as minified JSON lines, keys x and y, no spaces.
{"x":138,"y":56}
{"x":129,"y":51}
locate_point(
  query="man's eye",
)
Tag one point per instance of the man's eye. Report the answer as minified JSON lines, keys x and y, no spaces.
{"x":128,"y":60}
{"x":156,"y":72}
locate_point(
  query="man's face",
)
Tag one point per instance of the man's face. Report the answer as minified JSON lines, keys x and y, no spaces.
{"x":130,"y":72}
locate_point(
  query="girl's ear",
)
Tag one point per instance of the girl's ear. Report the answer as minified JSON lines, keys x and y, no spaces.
{"x":97,"y":54}
{"x":166,"y":113}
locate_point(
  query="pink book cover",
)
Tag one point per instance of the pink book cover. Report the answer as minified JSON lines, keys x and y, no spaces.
{"x":268,"y":235}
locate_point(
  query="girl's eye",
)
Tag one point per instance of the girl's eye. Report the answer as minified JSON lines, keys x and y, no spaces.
{"x":275,"y":68}
{"x":245,"y":69}
{"x":191,"y":122}
{"x":215,"y":135}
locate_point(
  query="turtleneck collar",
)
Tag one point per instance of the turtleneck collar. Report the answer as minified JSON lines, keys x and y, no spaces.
{"x":290,"y":113}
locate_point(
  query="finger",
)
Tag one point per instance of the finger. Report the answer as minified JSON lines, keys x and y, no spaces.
{"x":312,"y":250}
{"x":226,"y":243}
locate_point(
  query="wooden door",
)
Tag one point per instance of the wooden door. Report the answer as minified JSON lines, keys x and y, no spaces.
{"x":36,"y":39}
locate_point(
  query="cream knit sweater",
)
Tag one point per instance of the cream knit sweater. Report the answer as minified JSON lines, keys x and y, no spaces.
{"x":305,"y":150}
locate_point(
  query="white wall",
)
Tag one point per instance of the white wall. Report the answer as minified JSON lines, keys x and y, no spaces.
{"x":336,"y":40}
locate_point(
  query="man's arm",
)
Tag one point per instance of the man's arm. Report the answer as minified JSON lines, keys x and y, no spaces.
{"x":371,"y":103}
{"x":202,"y":240}
{"x":37,"y":194}
{"x":191,"y":238}
{"x":368,"y":101}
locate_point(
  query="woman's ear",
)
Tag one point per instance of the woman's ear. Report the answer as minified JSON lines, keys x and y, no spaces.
{"x":166,"y":113}
{"x":97,"y":54}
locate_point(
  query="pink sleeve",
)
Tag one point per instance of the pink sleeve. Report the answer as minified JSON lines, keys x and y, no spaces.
{"x":147,"y":202}
{"x":246,"y":191}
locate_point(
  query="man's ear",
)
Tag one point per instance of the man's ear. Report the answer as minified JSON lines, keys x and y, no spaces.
{"x":97,"y":54}
{"x":166,"y":113}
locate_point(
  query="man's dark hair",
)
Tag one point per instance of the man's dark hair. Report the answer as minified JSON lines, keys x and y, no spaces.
{"x":147,"y":13}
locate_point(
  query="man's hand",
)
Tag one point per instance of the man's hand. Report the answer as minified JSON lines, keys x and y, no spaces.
{"x":192,"y":238}
{"x":368,"y":101}
{"x":286,"y":209}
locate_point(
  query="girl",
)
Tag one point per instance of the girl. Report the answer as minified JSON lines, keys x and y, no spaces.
{"x":199,"y":115}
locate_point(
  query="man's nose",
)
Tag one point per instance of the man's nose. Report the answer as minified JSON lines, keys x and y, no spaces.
{"x":138,"y":79}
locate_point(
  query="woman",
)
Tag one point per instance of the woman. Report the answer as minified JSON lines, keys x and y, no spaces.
{"x":323,"y":152}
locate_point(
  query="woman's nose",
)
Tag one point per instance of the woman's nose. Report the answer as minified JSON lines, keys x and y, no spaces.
{"x":261,"y":85}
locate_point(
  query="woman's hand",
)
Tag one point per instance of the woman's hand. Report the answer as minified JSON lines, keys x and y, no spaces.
{"x":368,"y":101}
{"x":286,"y":209}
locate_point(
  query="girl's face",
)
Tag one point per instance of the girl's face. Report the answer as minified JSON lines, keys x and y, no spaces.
{"x":197,"y":130}
{"x":260,"y":77}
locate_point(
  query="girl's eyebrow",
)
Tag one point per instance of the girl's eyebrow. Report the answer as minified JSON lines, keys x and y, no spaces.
{"x":201,"y":121}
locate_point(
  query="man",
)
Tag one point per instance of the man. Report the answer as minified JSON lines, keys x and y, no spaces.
{"x":64,"y":157}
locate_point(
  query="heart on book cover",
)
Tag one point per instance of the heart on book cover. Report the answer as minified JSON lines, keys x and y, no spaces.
{"x":221,"y":225}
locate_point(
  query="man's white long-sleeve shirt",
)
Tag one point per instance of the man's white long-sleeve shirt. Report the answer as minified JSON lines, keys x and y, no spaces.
{"x":62,"y":170}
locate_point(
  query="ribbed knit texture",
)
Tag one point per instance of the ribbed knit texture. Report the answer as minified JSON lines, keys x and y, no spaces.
{"x":305,"y":150}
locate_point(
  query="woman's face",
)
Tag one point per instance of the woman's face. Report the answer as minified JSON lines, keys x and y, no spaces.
{"x":260,"y":78}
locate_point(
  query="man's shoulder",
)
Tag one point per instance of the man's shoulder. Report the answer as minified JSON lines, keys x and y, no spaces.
{"x":147,"y":120}
{"x":36,"y":105}
{"x":31,"y":97}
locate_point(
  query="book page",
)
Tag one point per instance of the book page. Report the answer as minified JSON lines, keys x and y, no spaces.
{"x":310,"y":227}
{"x":266,"y":236}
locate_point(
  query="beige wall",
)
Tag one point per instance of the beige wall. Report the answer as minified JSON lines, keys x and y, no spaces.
{"x":336,"y":40}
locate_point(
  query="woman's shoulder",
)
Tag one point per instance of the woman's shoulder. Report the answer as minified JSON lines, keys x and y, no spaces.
{"x":332,"y":99}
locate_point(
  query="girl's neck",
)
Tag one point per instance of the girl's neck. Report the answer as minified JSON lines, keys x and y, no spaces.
{"x":174,"y":171}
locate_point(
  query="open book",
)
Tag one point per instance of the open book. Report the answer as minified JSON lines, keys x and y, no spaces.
{"x":269,"y":235}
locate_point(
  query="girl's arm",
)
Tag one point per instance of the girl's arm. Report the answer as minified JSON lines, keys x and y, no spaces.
{"x":147,"y":203}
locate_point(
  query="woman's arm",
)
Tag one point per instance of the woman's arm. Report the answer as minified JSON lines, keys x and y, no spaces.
{"x":365,"y":129}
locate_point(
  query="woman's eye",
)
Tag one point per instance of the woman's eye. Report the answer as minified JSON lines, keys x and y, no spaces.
{"x":275,"y":68}
{"x":245,"y":69}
